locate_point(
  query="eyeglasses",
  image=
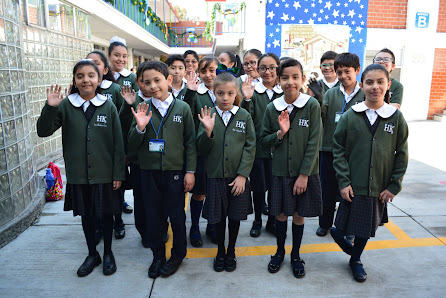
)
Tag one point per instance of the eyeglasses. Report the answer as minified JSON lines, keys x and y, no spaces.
{"x":385,"y":60}
{"x":264,"y":68}
{"x":252,"y":63}
{"x":191,"y":61}
{"x":327,"y":65}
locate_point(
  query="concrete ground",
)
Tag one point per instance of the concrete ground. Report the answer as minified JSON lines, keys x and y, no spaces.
{"x":407,"y":258}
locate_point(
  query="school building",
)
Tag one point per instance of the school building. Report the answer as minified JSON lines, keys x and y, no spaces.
{"x":41,"y":40}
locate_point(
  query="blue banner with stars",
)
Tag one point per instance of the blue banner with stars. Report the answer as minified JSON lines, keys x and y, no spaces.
{"x":351,"y":13}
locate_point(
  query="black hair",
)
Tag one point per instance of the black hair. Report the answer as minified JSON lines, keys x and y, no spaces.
{"x":290,"y":62}
{"x":386,"y":50}
{"x":379,"y":67}
{"x":272,"y":55}
{"x":347,"y":60}
{"x":224,"y":78}
{"x":80,"y":64}
{"x":158,"y":66}
{"x":255,"y":52}
{"x":329,"y":55}
{"x":115,"y":44}
{"x":172,"y":58}
{"x":190,"y":52}
{"x":207,"y":61}
{"x":109,"y":75}
{"x":140,"y":68}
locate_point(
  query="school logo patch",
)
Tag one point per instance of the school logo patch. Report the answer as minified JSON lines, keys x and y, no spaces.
{"x":177,"y":118}
{"x":128,"y":83}
{"x":388,"y":127}
{"x":101,"y":120}
{"x":304,"y":122}
{"x":109,"y":96}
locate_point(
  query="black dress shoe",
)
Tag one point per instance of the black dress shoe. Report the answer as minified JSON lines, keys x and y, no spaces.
{"x":321,"y":232}
{"x":170,"y":267}
{"x":154,"y":269}
{"x":119,"y":232}
{"x":340,"y":239}
{"x":265,"y":209}
{"x":256,"y":228}
{"x":89,"y":264}
{"x":109,"y":264}
{"x":271,"y":227}
{"x":195,"y":238}
{"x":275,"y":263}
{"x":219,"y":263}
{"x":358,"y":271}
{"x":230,"y":263}
{"x":298,"y":267}
{"x":211,"y":233}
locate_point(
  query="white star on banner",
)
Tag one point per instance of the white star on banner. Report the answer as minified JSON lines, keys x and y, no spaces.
{"x":358,"y":29}
{"x":328,"y":5}
{"x":351,"y":13}
{"x":271,"y":14}
{"x":276,"y":43}
{"x":285,"y":17}
{"x":335,"y":13}
{"x":296,"y":5}
{"x":311,"y":21}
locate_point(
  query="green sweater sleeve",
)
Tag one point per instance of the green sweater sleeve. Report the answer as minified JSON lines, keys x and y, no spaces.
{"x":340,"y":163}
{"x":249,"y":151}
{"x":268,"y":136}
{"x":190,"y":149}
{"x":401,"y":157}
{"x":314,"y":140}
{"x":49,"y":121}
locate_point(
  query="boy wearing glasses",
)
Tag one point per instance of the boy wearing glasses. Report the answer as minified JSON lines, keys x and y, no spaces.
{"x":386,"y":58}
{"x":337,"y":101}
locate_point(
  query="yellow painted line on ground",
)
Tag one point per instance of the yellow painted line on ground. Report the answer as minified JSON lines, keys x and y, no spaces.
{"x":396,"y":231}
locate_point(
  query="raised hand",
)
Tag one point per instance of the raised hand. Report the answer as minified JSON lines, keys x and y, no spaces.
{"x":284,"y":123}
{"x":141,"y":116}
{"x":207,"y":120}
{"x":192,"y":82}
{"x":54,"y":95}
{"x":247,"y":88}
{"x":128,"y":94}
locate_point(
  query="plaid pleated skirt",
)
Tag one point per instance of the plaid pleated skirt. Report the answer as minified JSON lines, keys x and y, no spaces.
{"x":361,"y":217}
{"x":308,"y":204}
{"x":261,"y":176}
{"x":220,"y":203}
{"x":93,"y":200}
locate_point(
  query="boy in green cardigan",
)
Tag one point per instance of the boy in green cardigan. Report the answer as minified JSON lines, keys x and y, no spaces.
{"x":163,"y":135}
{"x":370,"y":159}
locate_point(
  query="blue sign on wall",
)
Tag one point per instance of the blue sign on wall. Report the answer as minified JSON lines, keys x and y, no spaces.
{"x":422,"y":20}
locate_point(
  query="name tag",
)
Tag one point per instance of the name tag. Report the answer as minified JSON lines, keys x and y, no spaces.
{"x":338,"y":116}
{"x":156,"y":145}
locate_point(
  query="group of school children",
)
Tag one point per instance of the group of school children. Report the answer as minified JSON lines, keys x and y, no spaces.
{"x":199,"y":126}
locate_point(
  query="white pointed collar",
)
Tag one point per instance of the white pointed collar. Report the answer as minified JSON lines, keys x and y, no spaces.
{"x":280,"y":104}
{"x":385,"y":111}
{"x":77,"y":101}
{"x":202,"y":89}
{"x":260,"y":88}
{"x":106,"y":84}
{"x":125,"y":72}
{"x":142,"y":96}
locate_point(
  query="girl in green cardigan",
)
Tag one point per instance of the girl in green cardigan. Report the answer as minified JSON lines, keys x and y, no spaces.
{"x":94,"y":156}
{"x":228,"y":142}
{"x":370,"y":159}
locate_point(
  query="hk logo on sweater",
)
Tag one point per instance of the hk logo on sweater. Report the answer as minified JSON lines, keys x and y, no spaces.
{"x":389,"y":127}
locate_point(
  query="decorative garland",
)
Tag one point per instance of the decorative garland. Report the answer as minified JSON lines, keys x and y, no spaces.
{"x":210,"y":26}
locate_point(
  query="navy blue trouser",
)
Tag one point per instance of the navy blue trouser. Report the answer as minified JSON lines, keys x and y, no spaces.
{"x":330,"y":189}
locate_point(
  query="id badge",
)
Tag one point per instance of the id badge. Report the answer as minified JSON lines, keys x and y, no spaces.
{"x":156,"y":145}
{"x":338,"y":116}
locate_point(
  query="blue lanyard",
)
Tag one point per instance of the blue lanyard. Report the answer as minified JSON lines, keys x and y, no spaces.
{"x":161,"y":123}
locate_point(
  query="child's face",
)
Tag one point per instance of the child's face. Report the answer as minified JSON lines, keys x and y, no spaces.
{"x":385,"y":59}
{"x":225,"y":95}
{"x":347,"y":75}
{"x":375,"y":86}
{"x":208,"y":74}
{"x":156,"y":83}
{"x":191,"y":63}
{"x":177,"y":71}
{"x":225,"y":60}
{"x":269,"y":75}
{"x":142,"y":87}
{"x":327,"y":69}
{"x":291,"y":81}
{"x":118,"y":58}
{"x":96,"y":59}
{"x":86,"y":79}
{"x":250,"y":65}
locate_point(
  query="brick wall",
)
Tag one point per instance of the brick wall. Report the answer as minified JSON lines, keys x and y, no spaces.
{"x":437,"y":98}
{"x":387,"y":14}
{"x":441,"y":27}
